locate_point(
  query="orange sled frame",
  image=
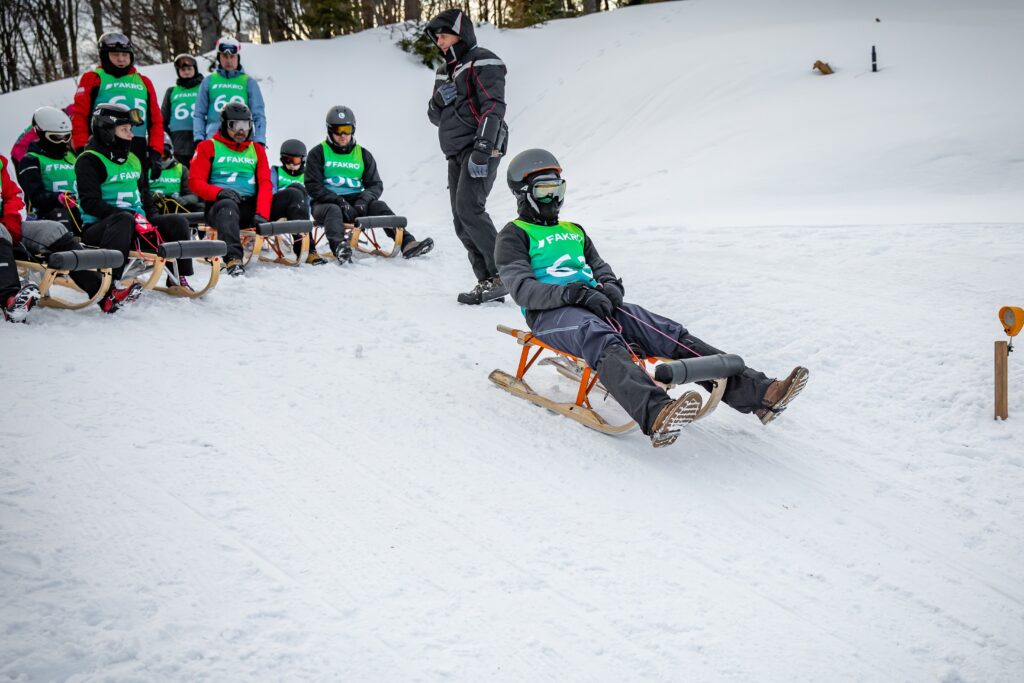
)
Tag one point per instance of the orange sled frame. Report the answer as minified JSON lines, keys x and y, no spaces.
{"x":576,"y":369}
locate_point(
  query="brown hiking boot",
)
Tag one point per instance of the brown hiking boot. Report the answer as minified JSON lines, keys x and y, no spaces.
{"x":673,"y":418}
{"x":780,"y":393}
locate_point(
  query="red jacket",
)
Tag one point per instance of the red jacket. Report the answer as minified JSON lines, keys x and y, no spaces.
{"x":199,"y":173}
{"x":12,"y":206}
{"x":85,"y":102}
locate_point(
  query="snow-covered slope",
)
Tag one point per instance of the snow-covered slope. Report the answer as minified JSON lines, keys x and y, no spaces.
{"x":307,"y":476}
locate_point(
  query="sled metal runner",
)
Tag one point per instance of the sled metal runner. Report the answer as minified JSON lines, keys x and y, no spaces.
{"x":577,"y":370}
{"x":56,"y":272}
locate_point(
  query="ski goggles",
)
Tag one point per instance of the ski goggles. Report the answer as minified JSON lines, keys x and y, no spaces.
{"x":288,"y":159}
{"x":342,"y":129}
{"x":135,"y":117}
{"x":228,"y":48}
{"x":116,"y":42}
{"x":58,"y":138}
{"x":240,"y":124}
{"x":544,"y":190}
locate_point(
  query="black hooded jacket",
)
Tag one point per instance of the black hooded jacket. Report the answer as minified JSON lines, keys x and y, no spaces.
{"x":373,"y":186}
{"x":478,"y":111}
{"x":38,"y":194}
{"x":91,"y":174}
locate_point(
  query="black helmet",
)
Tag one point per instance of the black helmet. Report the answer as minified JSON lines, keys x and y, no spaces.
{"x":185,"y":60}
{"x":293,"y":148}
{"x":341,"y":116}
{"x":115,"y":42}
{"x":167,"y":160}
{"x":235,"y":111}
{"x":535,"y":178}
{"x":107,"y":116}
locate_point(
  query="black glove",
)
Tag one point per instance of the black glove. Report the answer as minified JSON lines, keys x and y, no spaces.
{"x":579,"y":294}
{"x":259,"y":220}
{"x":155,"y":169}
{"x":614,"y":290}
{"x":361,"y":206}
{"x":229,"y":194}
{"x":348,"y":212}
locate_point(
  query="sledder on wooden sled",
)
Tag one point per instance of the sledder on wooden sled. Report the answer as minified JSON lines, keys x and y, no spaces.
{"x":47,"y":255}
{"x":573,"y":303}
{"x":231,"y":174}
{"x":118,"y":213}
{"x":344,"y":186}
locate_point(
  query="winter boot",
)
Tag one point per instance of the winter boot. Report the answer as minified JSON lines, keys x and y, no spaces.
{"x":417,"y":248}
{"x":234,"y":267}
{"x":673,"y":418}
{"x":181,"y":282}
{"x":343,"y":253}
{"x":118,"y":297}
{"x":780,"y":393}
{"x":490,"y":289}
{"x":18,"y":305}
{"x":314,"y":258}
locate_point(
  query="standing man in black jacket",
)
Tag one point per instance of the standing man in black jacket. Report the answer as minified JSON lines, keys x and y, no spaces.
{"x":468,"y":108}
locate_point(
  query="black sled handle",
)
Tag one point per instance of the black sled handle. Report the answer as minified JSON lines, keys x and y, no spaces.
{"x":699,"y":369}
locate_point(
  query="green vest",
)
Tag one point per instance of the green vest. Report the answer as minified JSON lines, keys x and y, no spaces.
{"x":556,"y":253}
{"x":128,"y":90}
{"x":284,"y":178}
{"x":169,"y":181}
{"x":58,"y":174}
{"x":121,"y":188}
{"x":223,"y":90}
{"x":231,"y":170}
{"x":343,"y":173}
{"x":183,"y":106}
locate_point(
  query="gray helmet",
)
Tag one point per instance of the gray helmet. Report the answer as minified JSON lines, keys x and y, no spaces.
{"x":340,"y":115}
{"x":235,"y":111}
{"x":293,"y":148}
{"x":51,"y":120}
{"x":528,"y":163}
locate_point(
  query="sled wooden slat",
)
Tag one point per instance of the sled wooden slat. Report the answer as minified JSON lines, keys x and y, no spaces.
{"x":158,"y":265}
{"x":52,"y":277}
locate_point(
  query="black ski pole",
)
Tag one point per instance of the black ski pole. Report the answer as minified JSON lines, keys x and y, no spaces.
{"x":874,"y":60}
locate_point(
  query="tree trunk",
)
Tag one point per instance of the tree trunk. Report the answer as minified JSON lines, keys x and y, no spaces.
{"x":96,"y":9}
{"x":209,"y":23}
{"x":126,"y":17}
{"x":589,"y":6}
{"x":412,"y":10}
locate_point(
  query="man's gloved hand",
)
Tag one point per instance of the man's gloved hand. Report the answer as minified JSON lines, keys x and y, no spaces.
{"x":155,"y":169}
{"x":67,"y":200}
{"x":477,"y":165}
{"x":348,"y":212}
{"x":229,"y":194}
{"x":259,"y":220}
{"x":446,"y":93}
{"x":614,"y":290}
{"x":579,"y":294}
{"x":361,"y":206}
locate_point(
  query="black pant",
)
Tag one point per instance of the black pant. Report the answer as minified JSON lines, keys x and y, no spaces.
{"x":172,"y":229}
{"x":227,"y":217}
{"x":10,"y":283}
{"x":473,"y":225}
{"x":579,"y":332}
{"x":71,"y":219}
{"x":113,"y":232}
{"x":330,"y":216}
{"x":184,"y":146}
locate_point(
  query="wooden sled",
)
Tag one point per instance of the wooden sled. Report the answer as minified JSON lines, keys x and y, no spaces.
{"x":273,"y":242}
{"x":363,"y":235}
{"x":150,"y":267}
{"x":57,"y":270}
{"x":576,"y":369}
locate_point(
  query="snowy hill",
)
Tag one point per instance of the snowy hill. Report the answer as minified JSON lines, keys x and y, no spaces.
{"x":307,"y":475}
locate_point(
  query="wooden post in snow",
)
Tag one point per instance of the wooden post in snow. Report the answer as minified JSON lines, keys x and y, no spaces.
{"x":1002,"y":381}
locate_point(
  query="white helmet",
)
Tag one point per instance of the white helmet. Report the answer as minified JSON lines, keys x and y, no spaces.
{"x":228,"y":45}
{"x":50,"y":120}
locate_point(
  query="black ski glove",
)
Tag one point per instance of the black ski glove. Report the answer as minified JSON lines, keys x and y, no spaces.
{"x":614,"y":290}
{"x":361,"y":206}
{"x":229,"y":194}
{"x":579,"y":294}
{"x":446,"y":94}
{"x":348,"y":212}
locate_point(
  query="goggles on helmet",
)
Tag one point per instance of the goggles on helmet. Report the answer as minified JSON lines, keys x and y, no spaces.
{"x":58,"y":138}
{"x":289,"y":159}
{"x":228,"y":48}
{"x":342,"y":129}
{"x":116,"y":42}
{"x":135,"y":117}
{"x":545,"y":190}
{"x":240,"y":124}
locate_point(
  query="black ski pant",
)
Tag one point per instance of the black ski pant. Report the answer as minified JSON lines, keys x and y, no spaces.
{"x":184,"y":146}
{"x":172,"y":228}
{"x":581,"y":333}
{"x":39,"y":238}
{"x":113,"y":232}
{"x":227,"y":216}
{"x":69,"y":218}
{"x":10,"y":283}
{"x":290,"y":204}
{"x":473,"y":225}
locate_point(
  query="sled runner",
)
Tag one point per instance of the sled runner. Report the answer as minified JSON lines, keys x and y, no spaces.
{"x":148,"y":268}
{"x":365,"y":238}
{"x":55,"y":272}
{"x":716,"y":369}
{"x":273,"y":242}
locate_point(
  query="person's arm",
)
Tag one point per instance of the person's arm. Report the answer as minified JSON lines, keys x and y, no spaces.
{"x":314,"y":180}
{"x":373,"y":186}
{"x":258,"y":109}
{"x":199,"y":114}
{"x":154,"y":118}
{"x":487,"y":83}
{"x":264,"y":194}
{"x":148,"y":206}
{"x":165,"y":110}
{"x":512,"y":256}
{"x":30,"y":178}
{"x":84,"y":98}
{"x":13,"y":204}
{"x":184,"y":180}
{"x":199,"y":176}
{"x":91,"y":175}
{"x":434,"y":107}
